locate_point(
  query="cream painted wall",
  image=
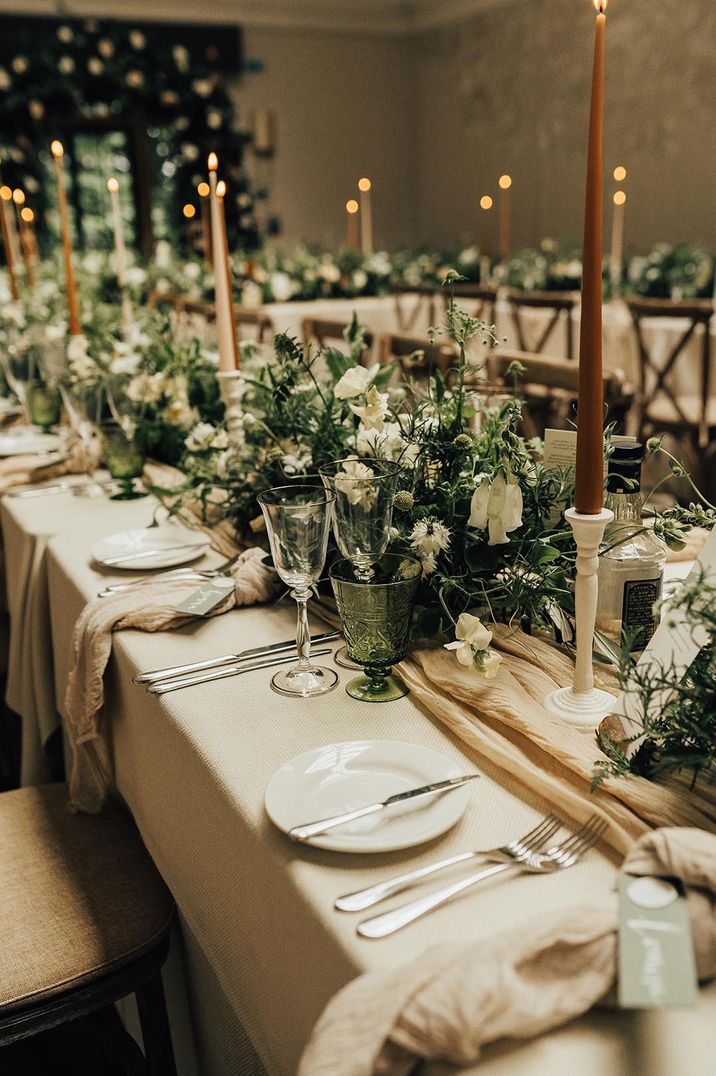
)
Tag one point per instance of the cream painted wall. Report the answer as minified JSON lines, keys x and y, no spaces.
{"x":345,"y":107}
{"x":508,"y":90}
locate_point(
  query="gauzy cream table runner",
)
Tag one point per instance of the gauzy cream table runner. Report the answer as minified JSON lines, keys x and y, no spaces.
{"x":504,"y":720}
{"x":452,"y":1000}
{"x":148,"y":608}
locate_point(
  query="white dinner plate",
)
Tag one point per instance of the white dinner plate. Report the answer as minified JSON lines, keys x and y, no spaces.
{"x":342,"y":776}
{"x":141,"y":540}
{"x":28,"y":443}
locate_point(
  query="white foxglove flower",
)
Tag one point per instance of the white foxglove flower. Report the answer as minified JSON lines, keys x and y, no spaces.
{"x":372,"y":413}
{"x":354,"y":382}
{"x":497,"y":505}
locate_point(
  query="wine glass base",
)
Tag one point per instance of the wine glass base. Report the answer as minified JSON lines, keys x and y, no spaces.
{"x":304,"y":683}
{"x":128,"y":493}
{"x":366,"y":690}
{"x":343,"y":658}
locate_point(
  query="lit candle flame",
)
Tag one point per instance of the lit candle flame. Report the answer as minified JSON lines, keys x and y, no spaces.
{"x":113,"y":185}
{"x":619,"y":197}
{"x":220,"y":189}
{"x":486,"y":202}
{"x":27,"y":215}
{"x":213,"y":162}
{"x":189,"y":211}
{"x":352,"y":206}
{"x":18,"y":196}
{"x":601,"y":6}
{"x":620,"y":173}
{"x":364,"y":184}
{"x":203,"y":190}
{"x":57,"y":149}
{"x":505,"y":182}
{"x":6,"y":194}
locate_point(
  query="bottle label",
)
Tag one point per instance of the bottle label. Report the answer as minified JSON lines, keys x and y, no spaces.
{"x":638,"y":617}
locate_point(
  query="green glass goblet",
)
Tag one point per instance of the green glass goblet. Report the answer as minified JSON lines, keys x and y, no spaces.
{"x":44,"y":403}
{"x":376,"y":614}
{"x":124,"y":460}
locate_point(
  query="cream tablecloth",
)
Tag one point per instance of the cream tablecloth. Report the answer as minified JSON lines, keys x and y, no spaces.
{"x":263,"y":950}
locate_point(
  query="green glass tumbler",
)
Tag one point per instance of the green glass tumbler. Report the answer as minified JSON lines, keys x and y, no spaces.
{"x":124,"y":460}
{"x":376,"y":615}
{"x":44,"y":404}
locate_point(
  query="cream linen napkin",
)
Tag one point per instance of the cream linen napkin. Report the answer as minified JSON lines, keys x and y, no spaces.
{"x":24,"y":470}
{"x":503,"y":720}
{"x":146,"y":609}
{"x":453,"y":1000}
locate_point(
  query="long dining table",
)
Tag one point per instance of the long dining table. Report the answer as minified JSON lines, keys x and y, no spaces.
{"x":260,"y":950}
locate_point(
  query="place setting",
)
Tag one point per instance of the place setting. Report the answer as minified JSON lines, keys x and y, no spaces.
{"x":358,"y":526}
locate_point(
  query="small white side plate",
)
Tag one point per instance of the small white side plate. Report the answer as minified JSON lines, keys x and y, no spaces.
{"x":138,"y":541}
{"x":28,"y":444}
{"x":342,"y":776}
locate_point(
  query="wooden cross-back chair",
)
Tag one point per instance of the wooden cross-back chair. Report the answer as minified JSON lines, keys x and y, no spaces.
{"x":417,"y":356}
{"x":253,"y":325}
{"x":561,"y":306}
{"x":661,"y":404}
{"x":410,"y":301}
{"x":549,"y":388}
{"x":324,"y":332}
{"x":482,"y":299}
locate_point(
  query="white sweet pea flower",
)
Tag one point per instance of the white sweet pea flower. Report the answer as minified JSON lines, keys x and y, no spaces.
{"x":201,"y":437}
{"x":472,"y":640}
{"x":355,"y":381}
{"x":372,"y":413}
{"x":497,"y":505}
{"x":351,"y":483}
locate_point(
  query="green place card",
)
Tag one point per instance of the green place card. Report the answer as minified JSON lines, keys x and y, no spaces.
{"x":206,"y":597}
{"x":656,"y":953}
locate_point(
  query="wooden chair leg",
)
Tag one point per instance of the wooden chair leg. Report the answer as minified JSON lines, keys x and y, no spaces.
{"x":154,"y":1022}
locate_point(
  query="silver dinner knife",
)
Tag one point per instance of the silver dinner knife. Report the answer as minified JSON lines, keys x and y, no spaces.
{"x":228,"y":670}
{"x":226,"y":659}
{"x":313,"y":829}
{"x":186,"y":546}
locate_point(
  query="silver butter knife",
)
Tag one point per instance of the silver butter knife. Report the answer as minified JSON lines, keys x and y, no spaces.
{"x":57,"y":487}
{"x":313,"y":829}
{"x":228,"y":670}
{"x":109,"y":561}
{"x":226,"y":659}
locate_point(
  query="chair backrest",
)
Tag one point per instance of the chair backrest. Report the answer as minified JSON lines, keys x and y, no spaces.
{"x":410,"y":301}
{"x":327,"y":333}
{"x":417,"y":356}
{"x":656,"y":386}
{"x":253,"y":325}
{"x":559,"y":304}
{"x":481,"y":299}
{"x":549,"y":389}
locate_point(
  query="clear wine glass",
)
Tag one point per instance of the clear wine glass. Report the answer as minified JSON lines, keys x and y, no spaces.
{"x":18,"y":365}
{"x":363,"y":515}
{"x":123,"y":453}
{"x":298,"y":520}
{"x":83,"y":402}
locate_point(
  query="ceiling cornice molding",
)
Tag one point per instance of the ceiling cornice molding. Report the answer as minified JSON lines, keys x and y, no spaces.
{"x":391,"y":17}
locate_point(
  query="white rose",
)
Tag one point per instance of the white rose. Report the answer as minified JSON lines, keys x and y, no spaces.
{"x":496,"y":505}
{"x":282,"y":287}
{"x":354,"y":382}
{"x":180,"y":414}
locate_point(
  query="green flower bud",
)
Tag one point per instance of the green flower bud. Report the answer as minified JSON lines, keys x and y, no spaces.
{"x":403,"y":500}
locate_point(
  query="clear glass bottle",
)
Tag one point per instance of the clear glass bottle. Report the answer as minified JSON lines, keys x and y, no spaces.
{"x":631,"y":562}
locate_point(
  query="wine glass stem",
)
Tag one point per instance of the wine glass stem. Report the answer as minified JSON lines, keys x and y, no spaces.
{"x":303,"y":635}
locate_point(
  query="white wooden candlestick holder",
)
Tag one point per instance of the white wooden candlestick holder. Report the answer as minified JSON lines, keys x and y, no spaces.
{"x":582,"y":704}
{"x":231,"y":390}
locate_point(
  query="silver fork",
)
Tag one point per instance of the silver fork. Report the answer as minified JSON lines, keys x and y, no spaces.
{"x":557,"y":858}
{"x":177,"y":573}
{"x":532,"y":841}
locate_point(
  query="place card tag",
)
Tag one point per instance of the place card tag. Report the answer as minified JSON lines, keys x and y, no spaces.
{"x":560,"y":454}
{"x":206,"y":597}
{"x":656,"y":953}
